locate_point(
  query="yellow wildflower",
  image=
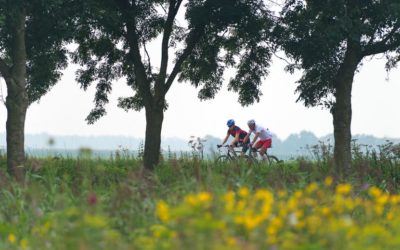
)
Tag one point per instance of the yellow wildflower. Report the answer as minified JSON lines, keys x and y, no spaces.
{"x":374,"y":192}
{"x":163,"y":211}
{"x":11,"y":238}
{"x":191,"y":200}
{"x":244,"y":192}
{"x":24,"y":243}
{"x":231,"y":241}
{"x":251,"y":222}
{"x":343,"y":188}
{"x":298,"y":194}
{"x":311,"y":187}
{"x":325,"y":211}
{"x":229,"y":199}
{"x":328,"y":181}
{"x":94,"y":220}
{"x":379,"y":209}
{"x":276,"y":222}
{"x":282,"y":194}
{"x":382,"y":199}
{"x":204,"y":197}
{"x":395,"y":199}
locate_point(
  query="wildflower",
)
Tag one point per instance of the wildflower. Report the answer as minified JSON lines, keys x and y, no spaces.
{"x":191,"y":200}
{"x":229,"y":199}
{"x":383,"y":199}
{"x":244,"y":192}
{"x":263,"y":194}
{"x":395,"y":199}
{"x":374,"y":192}
{"x":11,"y":238}
{"x":276,"y":222}
{"x":231,"y":241}
{"x":298,"y":194}
{"x":282,"y":194}
{"x":91,"y":199}
{"x":325,"y":211}
{"x":204,"y":197}
{"x":328,"y":181}
{"x":311,"y":187}
{"x":24,"y":243}
{"x":343,"y":188}
{"x":163,"y":211}
{"x":94,"y":221}
{"x":251,"y":222}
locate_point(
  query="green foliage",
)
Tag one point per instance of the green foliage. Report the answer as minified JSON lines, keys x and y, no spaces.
{"x":317,"y":35}
{"x":219,"y":34}
{"x":48,"y":27}
{"x":93,"y":203}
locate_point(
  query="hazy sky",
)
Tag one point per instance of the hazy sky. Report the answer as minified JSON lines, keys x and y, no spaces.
{"x":375,"y":101}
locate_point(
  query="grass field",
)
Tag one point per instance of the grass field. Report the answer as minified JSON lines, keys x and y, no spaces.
{"x":186,"y":203}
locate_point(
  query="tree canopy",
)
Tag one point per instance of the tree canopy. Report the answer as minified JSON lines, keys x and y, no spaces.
{"x":316,"y":35}
{"x":329,"y":40}
{"x":218,"y":34}
{"x":48,"y":28}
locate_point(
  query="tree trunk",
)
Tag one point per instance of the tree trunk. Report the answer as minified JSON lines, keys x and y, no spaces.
{"x":17,"y":104}
{"x":154,"y":120}
{"x":342,"y":112}
{"x":17,"y":101}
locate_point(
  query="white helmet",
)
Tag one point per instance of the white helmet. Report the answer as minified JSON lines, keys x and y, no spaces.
{"x":251,"y":122}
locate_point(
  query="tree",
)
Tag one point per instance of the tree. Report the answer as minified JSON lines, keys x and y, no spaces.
{"x":32,"y":55}
{"x":329,"y":41}
{"x":113,"y":39}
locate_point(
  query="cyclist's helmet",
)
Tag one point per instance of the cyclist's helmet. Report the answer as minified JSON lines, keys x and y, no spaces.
{"x":230,"y":123}
{"x":251,"y":122}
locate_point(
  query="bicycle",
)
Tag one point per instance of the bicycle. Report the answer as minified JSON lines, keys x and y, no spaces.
{"x":253,"y":157}
{"x":249,"y":157}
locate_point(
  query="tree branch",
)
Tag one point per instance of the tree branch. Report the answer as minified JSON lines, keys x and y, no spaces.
{"x":382,"y":46}
{"x":148,"y":56}
{"x":193,"y":38}
{"x":172,"y":11}
{"x":134,"y":51}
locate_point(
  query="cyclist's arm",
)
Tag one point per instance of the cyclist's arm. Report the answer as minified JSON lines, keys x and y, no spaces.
{"x":226,"y":138}
{"x":256,"y":135}
{"x":235,"y":140}
{"x":247,"y":136}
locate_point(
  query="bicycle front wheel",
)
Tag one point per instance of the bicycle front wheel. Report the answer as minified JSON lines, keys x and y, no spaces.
{"x":273,"y":159}
{"x":224,"y":159}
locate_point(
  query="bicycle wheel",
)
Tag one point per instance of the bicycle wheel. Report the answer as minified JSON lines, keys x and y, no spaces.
{"x":224,"y":159}
{"x":273,"y":159}
{"x":248,"y":159}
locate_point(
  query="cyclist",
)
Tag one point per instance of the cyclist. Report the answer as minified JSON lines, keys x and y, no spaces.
{"x":262,"y":138}
{"x":239,"y":135}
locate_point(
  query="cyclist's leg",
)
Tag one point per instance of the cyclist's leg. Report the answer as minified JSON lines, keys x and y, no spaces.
{"x":232,"y":149}
{"x":265,"y":145}
{"x":245,"y":147}
{"x":256,"y":147}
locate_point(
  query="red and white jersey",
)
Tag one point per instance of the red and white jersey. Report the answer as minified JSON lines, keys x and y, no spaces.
{"x":265,"y":134}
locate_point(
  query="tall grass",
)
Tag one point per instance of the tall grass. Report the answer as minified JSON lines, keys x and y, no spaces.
{"x":91,"y":203}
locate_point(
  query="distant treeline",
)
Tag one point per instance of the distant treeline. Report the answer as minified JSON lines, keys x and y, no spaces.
{"x":104,"y":146}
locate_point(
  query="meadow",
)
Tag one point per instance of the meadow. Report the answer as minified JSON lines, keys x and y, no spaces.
{"x":188,"y":203}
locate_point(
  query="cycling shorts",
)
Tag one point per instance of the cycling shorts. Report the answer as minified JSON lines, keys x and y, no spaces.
{"x":264,"y":143}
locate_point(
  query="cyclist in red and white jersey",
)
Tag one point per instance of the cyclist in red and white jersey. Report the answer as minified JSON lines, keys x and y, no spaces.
{"x":239,"y":136}
{"x":262,"y":138}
